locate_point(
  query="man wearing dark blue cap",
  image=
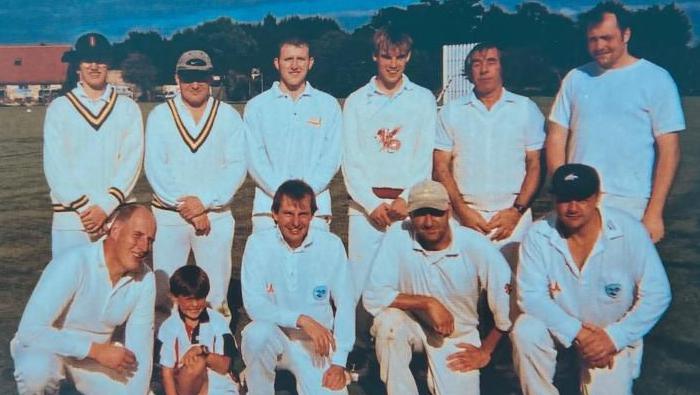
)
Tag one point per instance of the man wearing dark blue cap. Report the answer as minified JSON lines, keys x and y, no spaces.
{"x":93,"y":145}
{"x":589,"y":277}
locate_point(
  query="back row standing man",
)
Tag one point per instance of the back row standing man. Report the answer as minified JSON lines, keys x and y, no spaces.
{"x":93,"y":147}
{"x":487,"y":153}
{"x":195,"y":162}
{"x":295,"y":133}
{"x":389,"y":130}
{"x":620,"y":115}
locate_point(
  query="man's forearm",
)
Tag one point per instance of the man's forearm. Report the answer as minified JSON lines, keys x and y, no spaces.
{"x":491,"y":340}
{"x":555,"y":146}
{"x":411,"y":302}
{"x":531,"y":182}
{"x":443,"y":173}
{"x":218,"y":363}
{"x":667,"y":158}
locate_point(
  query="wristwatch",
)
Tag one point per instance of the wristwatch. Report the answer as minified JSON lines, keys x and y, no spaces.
{"x":205,"y":350}
{"x":521,"y":209}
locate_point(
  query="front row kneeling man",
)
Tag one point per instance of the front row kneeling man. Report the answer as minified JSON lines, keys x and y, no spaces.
{"x":81,"y":297}
{"x":588,"y":277}
{"x":292,"y":277}
{"x":423,"y":291}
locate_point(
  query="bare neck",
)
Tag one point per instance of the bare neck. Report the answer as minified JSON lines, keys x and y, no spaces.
{"x":489,"y":98}
{"x":92,"y":93}
{"x":389,"y":89}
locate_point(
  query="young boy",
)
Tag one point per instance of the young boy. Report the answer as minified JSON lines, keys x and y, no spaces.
{"x":196,"y":343}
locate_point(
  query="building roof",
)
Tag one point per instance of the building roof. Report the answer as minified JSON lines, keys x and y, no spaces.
{"x":32,"y":64}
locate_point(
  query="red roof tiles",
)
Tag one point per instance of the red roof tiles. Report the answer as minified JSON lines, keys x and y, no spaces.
{"x":32,"y":64}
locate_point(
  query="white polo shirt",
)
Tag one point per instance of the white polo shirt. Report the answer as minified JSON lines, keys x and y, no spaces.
{"x":293,"y":139}
{"x":93,"y":151}
{"x":206,"y":159}
{"x":210,"y":332}
{"x":614,"y":117}
{"x":454,"y":276}
{"x":75,"y":304}
{"x":622,"y":286}
{"x":489,"y":146}
{"x":280,"y":284}
{"x":388,"y":140}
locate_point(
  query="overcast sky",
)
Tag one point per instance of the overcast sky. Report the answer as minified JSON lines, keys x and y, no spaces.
{"x":62,"y":21}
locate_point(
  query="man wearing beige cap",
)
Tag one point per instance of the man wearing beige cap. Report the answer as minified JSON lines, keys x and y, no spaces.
{"x":195,"y":162}
{"x":423,"y":291}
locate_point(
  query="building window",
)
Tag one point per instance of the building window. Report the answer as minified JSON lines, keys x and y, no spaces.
{"x":18,"y":61}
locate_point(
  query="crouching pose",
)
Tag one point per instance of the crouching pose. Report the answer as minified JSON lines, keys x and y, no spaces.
{"x":423,"y":291}
{"x":82,"y":296}
{"x":292,"y":277}
{"x":589,"y":278}
{"x":196,"y":343}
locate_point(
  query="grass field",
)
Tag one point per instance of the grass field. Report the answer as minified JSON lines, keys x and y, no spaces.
{"x":671,"y":361}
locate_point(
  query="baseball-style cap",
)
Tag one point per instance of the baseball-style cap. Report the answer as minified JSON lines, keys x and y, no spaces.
{"x":194,"y":60}
{"x":428,"y":194}
{"x":575,"y":181}
{"x":90,"y":47}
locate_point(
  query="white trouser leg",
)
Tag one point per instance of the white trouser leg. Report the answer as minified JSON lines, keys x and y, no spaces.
{"x":262,"y":222}
{"x":213,"y":254}
{"x":37,"y":372}
{"x":444,"y":381}
{"x":363,"y":243}
{"x":618,"y":380}
{"x":63,"y":240}
{"x":170,"y":251}
{"x":534,"y":356}
{"x":633,"y":206}
{"x":396,"y":337}
{"x":90,"y":377}
{"x":261,"y":344}
{"x":298,"y":357}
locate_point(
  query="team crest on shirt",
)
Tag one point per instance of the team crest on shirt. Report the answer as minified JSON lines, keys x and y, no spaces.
{"x":320,"y":292}
{"x":387,"y":139}
{"x":554,"y":289}
{"x":613,"y":290}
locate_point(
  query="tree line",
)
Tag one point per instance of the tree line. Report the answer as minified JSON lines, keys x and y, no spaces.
{"x":541,"y":46}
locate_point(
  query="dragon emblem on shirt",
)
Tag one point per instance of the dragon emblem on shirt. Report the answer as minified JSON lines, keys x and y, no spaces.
{"x":387,"y":139}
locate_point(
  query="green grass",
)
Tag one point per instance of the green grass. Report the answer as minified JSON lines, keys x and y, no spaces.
{"x":671,"y":355}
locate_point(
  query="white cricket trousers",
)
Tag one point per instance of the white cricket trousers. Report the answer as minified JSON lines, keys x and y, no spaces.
{"x":38,"y":372}
{"x":265,"y":347}
{"x":175,"y":238}
{"x":398,"y":335}
{"x":63,"y":240}
{"x":363,"y":243}
{"x":535,"y":359}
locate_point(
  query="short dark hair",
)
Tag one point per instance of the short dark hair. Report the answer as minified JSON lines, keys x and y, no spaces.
{"x":189,"y":280}
{"x":595,"y":15}
{"x":480,"y":47}
{"x":295,"y":41}
{"x":295,"y":190}
{"x":389,"y":37}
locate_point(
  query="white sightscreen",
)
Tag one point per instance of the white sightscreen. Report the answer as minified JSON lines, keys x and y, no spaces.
{"x":454,"y":82}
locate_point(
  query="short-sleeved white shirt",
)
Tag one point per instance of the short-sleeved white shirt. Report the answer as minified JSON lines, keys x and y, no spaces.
{"x":614,"y":117}
{"x":622,"y":286}
{"x":454,"y":276}
{"x":489,"y":146}
{"x":211,"y":331}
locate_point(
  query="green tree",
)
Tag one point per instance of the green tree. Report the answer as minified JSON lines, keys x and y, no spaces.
{"x":138,"y":69}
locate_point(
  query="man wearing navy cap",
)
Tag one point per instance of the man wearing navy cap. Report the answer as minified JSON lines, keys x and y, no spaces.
{"x":589,"y":277}
{"x":195,"y":162}
{"x":93,"y":145}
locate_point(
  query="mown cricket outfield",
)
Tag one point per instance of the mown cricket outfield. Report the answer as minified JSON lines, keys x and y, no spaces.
{"x":672,"y":350}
